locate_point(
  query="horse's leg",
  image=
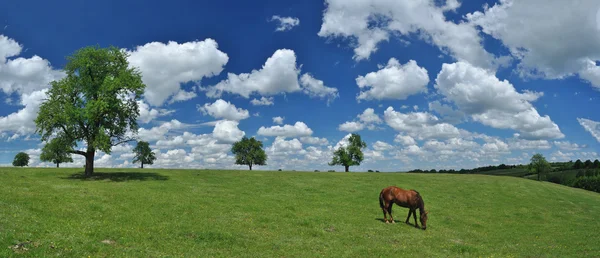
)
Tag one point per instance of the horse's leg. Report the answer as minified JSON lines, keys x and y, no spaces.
{"x":415,"y":217}
{"x":384,"y":213}
{"x":409,"y":212}
{"x":390,"y":212}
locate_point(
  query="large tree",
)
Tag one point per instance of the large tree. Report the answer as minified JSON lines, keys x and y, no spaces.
{"x":95,"y":104}
{"x":21,"y":160}
{"x":350,"y":155}
{"x":539,"y":165}
{"x":248,"y":151}
{"x":57,"y":152}
{"x":143,"y":154}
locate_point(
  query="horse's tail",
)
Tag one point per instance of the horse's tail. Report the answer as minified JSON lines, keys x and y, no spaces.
{"x":381,"y":199}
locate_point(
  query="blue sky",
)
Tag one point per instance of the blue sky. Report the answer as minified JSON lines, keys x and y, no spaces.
{"x":432,"y":84}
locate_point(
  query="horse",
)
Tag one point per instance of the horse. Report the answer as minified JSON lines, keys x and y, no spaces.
{"x":404,"y":198}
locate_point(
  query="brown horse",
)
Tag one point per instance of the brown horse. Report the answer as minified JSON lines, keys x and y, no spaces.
{"x":404,"y":198}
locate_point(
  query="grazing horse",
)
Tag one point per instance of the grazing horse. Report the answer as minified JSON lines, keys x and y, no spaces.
{"x":404,"y":198}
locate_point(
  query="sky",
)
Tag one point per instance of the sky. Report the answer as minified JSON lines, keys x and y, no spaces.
{"x":442,"y":84}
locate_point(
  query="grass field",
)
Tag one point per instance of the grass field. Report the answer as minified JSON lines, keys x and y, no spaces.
{"x":202,"y":213}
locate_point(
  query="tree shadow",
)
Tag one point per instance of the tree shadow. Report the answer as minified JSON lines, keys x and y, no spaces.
{"x":118,"y":176}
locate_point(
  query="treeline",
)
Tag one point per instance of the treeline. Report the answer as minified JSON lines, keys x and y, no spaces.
{"x":477,"y":170}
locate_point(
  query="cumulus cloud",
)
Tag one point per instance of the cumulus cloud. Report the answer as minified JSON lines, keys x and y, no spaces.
{"x":382,"y":146}
{"x":159,"y":132}
{"x":477,"y":92}
{"x":405,"y":140}
{"x":314,"y":140}
{"x":262,"y":101}
{"x":367,"y":23}
{"x":285,"y":23}
{"x":566,"y":145}
{"x":591,"y":126}
{"x":222,"y":109}
{"x":419,"y":125}
{"x":299,"y":129}
{"x":317,"y":89}
{"x":351,"y":127}
{"x":394,"y":81}
{"x":22,"y":122}
{"x":227,"y":131}
{"x":148,"y":114}
{"x":165,"y":67}
{"x":278,"y":120}
{"x":563,"y":46}
{"x":279,"y":74}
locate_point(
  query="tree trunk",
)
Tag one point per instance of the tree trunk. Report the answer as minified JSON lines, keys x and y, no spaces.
{"x":142,"y":164}
{"x":89,"y":162}
{"x":347,"y":168}
{"x":57,"y":165}
{"x":250,"y":165}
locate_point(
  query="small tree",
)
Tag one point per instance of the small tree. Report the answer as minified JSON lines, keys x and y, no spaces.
{"x":21,"y":160}
{"x":143,"y":154}
{"x":539,"y":165}
{"x":350,"y":155}
{"x":578,"y":164}
{"x":596,"y":164}
{"x":588,"y":164}
{"x":248,"y":151}
{"x":56,"y":152}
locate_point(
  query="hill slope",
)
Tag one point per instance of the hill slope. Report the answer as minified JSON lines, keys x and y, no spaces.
{"x":155,"y":213}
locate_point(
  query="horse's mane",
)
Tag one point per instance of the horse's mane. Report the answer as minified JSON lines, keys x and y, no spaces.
{"x":420,"y":201}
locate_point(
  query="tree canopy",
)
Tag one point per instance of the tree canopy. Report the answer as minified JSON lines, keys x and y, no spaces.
{"x":96,"y":103}
{"x":248,"y":151}
{"x":143,"y":154}
{"x":57,"y":152}
{"x":539,"y":165}
{"x":21,"y":160}
{"x":350,"y":155}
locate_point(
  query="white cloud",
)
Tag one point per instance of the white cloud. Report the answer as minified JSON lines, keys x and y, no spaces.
{"x":262,"y":101}
{"x":591,"y":126}
{"x":227,"y":131}
{"x":565,"y":45}
{"x":285,"y":23}
{"x":351,"y":127}
{"x":448,"y":113}
{"x":405,"y":140}
{"x":278,"y":120}
{"x":299,"y":129}
{"x":369,"y":117}
{"x":148,"y":114}
{"x":225,"y":110}
{"x":182,"y":95}
{"x":394,"y":81}
{"x":22,"y":122}
{"x":159,"y":132}
{"x":314,"y":140}
{"x":370,"y":22}
{"x":382,"y":146}
{"x":317,"y":89}
{"x":279,"y":74}
{"x":566,"y":145}
{"x":419,"y":125}
{"x":281,"y":147}
{"x":165,"y":67}
{"x":477,"y":92}
{"x":524,"y":144}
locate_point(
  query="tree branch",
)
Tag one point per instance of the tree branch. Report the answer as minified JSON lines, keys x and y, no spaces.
{"x":123,"y":141}
{"x":77,"y":152}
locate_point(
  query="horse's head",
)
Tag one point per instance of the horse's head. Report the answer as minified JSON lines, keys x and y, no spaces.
{"x":424,"y":220}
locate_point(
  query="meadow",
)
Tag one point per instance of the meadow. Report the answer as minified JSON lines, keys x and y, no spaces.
{"x":48,"y":212}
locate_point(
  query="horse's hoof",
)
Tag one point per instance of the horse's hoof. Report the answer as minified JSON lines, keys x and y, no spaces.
{"x":387,"y":222}
{"x":393,"y":222}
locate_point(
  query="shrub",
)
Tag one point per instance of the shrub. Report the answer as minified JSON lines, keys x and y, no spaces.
{"x":279,"y":169}
{"x":370,"y":170}
{"x":588,"y":183}
{"x":377,"y":171}
{"x":316,"y":170}
{"x":330,"y":170}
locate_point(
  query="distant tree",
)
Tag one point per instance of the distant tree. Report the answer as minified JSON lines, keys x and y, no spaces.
{"x":578,"y":164}
{"x":143,"y":154}
{"x":370,"y":170}
{"x":248,"y":151}
{"x":350,"y":155}
{"x":21,"y":160}
{"x":96,"y":103}
{"x":539,"y":165}
{"x":588,"y":164}
{"x":596,"y":164}
{"x":57,"y":152}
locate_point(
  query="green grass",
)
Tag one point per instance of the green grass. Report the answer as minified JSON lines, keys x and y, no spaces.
{"x":202,"y":213}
